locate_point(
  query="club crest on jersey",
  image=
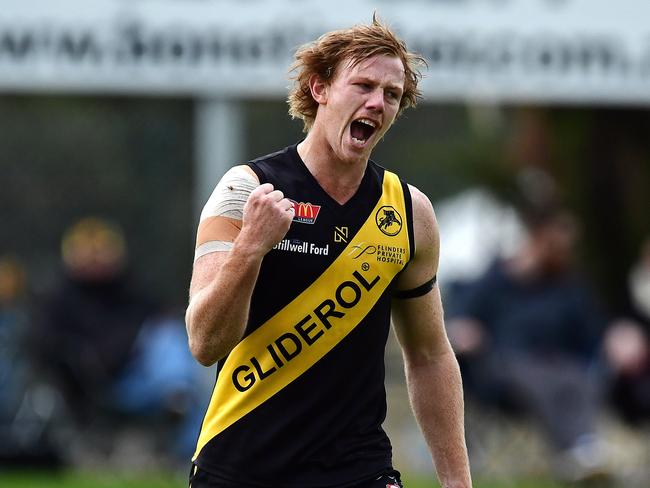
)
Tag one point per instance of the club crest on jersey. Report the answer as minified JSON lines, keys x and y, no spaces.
{"x":388,"y":220}
{"x":305,"y":213}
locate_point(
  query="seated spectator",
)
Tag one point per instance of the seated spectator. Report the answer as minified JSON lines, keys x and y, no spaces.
{"x":627,"y":346}
{"x":527,"y":333}
{"x":24,"y":424}
{"x":91,"y":320}
{"x":103,"y":343}
{"x":13,"y":327}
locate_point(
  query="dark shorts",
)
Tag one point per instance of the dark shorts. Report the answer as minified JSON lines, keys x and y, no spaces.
{"x":203,"y":479}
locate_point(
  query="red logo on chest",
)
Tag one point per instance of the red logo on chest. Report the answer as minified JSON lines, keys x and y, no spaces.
{"x":305,"y":213}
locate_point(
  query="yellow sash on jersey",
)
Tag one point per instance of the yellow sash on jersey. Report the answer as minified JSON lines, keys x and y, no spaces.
{"x":306,"y":329}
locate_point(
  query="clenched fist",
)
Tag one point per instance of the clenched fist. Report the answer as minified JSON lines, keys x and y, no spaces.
{"x":267,"y":217}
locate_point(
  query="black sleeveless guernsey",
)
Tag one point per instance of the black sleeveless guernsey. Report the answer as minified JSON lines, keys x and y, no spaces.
{"x":300,"y":402}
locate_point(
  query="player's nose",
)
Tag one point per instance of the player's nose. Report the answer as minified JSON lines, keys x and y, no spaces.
{"x":375,"y":100}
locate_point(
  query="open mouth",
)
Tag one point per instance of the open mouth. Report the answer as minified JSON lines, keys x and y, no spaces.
{"x":362,"y":129}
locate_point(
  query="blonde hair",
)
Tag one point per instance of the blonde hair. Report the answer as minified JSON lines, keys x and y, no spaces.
{"x":92,"y":238}
{"x":323,"y":56}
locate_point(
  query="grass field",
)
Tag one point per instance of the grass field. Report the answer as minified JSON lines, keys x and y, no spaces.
{"x":107,"y":480}
{"x":88,"y":480}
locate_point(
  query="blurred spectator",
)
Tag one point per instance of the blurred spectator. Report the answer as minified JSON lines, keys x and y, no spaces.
{"x":640,"y":283}
{"x":13,"y":326}
{"x":627,"y":345}
{"x":24,"y":409}
{"x":527,"y":333}
{"x":477,"y":227}
{"x":105,"y":345}
{"x":91,"y":321}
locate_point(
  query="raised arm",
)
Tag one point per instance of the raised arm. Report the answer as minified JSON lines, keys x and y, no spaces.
{"x":241,"y":222}
{"x":432,"y":372}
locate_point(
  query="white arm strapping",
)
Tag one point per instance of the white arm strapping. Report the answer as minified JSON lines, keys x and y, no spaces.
{"x":227,"y":200}
{"x":230,"y":195}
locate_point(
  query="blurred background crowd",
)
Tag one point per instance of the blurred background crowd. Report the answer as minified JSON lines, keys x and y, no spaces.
{"x":543,"y":209}
{"x":94,"y":368}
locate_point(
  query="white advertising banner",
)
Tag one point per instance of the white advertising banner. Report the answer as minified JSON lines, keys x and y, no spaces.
{"x":571,"y":51}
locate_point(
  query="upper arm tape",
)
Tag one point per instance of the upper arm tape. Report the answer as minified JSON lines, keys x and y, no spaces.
{"x":417,"y":291}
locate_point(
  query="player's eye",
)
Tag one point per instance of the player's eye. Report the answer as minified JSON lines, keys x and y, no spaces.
{"x":393,"y":96}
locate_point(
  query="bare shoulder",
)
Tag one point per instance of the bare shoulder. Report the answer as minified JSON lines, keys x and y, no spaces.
{"x":424,"y":264}
{"x":425,"y":224}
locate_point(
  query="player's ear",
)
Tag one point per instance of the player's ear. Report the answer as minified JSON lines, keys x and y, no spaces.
{"x":319,"y":89}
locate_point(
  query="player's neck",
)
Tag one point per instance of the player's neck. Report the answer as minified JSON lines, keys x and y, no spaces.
{"x":340,"y":179}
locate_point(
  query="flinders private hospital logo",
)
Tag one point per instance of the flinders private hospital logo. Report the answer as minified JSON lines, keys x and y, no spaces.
{"x":305,"y":213}
{"x":381,"y":253}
